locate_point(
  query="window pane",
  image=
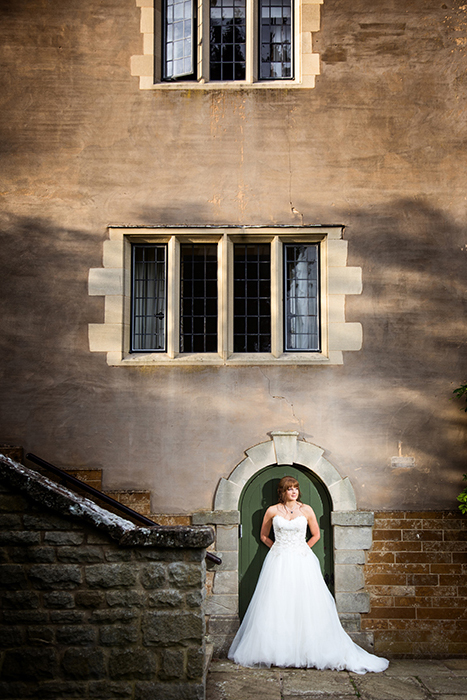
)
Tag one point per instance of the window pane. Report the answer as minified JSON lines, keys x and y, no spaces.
{"x":275,"y":32}
{"x":227,"y":39}
{"x":252,"y":298}
{"x":198,"y":296}
{"x":148,"y":298}
{"x":302,"y":297}
{"x":179,"y":27}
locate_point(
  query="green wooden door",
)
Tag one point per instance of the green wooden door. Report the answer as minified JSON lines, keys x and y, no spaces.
{"x":260,"y":493}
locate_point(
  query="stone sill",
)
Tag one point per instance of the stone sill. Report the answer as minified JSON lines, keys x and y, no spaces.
{"x":213,"y":359}
{"x":233,"y":85}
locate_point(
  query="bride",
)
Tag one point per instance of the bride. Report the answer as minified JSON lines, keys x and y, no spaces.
{"x":292,"y":618}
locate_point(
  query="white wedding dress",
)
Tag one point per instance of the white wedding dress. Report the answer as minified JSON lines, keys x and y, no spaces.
{"x":292,"y":618}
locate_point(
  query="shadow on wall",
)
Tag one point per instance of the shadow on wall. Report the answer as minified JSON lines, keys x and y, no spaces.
{"x":414,"y":266}
{"x":413,"y":311}
{"x":397,"y":388}
{"x":48,"y":377}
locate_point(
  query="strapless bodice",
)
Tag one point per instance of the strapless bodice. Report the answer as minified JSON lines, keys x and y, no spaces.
{"x":290,"y":534}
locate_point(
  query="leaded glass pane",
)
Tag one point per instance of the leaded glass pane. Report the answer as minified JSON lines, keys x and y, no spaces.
{"x":276,"y":39}
{"x":227,"y":39}
{"x":252,"y":298}
{"x":149,"y":298}
{"x":198,"y":297}
{"x":302,"y":330}
{"x":179,"y":27}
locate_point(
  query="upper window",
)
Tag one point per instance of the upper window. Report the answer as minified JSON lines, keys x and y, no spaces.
{"x":227,"y":33}
{"x":225,"y":295}
{"x":234,"y":42}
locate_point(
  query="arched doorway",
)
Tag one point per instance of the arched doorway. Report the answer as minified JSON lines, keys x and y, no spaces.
{"x":351,"y":533}
{"x":259,"y":493}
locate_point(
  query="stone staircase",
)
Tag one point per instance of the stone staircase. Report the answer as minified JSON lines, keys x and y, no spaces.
{"x":138,"y":500}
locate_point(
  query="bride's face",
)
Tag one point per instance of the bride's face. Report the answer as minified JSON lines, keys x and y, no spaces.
{"x":292,"y":493}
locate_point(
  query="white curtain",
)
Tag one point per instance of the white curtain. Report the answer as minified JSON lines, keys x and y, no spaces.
{"x":149,"y":301}
{"x":302,"y":298}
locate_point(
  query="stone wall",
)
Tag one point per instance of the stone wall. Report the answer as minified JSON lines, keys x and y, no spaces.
{"x":92,"y":606}
{"x":416,"y":574}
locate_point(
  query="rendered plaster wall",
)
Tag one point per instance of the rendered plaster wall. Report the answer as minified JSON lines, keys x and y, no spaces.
{"x":378,"y":146}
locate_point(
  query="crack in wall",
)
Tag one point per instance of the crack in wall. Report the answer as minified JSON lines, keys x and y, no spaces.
{"x":282,"y":398}
{"x":294,"y":211}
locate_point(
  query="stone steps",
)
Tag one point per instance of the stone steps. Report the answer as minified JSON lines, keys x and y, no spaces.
{"x":138,"y":500}
{"x":91,"y":477}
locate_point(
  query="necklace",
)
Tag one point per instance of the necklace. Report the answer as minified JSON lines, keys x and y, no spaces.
{"x":291,"y":510}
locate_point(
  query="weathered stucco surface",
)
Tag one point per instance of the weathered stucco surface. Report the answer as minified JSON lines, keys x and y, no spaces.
{"x":378,"y":145}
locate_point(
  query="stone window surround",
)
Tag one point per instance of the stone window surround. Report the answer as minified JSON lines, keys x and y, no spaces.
{"x":306,"y":21}
{"x":352,"y":530}
{"x":113,"y":281}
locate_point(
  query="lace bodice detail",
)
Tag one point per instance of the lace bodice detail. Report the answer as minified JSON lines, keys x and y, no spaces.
{"x":290,"y":534}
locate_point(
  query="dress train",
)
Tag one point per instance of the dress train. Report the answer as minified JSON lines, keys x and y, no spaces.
{"x":292,"y":618}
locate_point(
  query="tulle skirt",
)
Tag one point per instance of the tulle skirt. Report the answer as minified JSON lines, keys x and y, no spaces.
{"x":292,"y":620}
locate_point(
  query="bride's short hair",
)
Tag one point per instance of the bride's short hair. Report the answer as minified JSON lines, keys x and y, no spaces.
{"x":285,"y":483}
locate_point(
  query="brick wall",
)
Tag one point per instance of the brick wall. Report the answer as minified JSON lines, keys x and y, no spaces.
{"x":416,"y":573}
{"x":92,"y":606}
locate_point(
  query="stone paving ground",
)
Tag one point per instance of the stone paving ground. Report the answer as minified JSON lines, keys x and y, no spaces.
{"x":405,"y":679}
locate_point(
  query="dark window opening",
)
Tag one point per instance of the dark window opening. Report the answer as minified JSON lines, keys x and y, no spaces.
{"x":227,"y":21}
{"x":302,"y":331}
{"x":276,"y":47}
{"x":149,"y":296}
{"x":198,"y":298}
{"x":252,"y":298}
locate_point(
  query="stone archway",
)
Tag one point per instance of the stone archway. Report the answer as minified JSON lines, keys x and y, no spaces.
{"x":352,"y":536}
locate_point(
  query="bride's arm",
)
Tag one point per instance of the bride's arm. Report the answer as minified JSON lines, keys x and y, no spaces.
{"x":313,"y":525}
{"x":266,"y":527}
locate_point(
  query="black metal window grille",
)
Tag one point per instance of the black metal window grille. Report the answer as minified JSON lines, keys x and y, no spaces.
{"x":198,"y":297}
{"x":149,"y":297}
{"x":227,"y":39}
{"x":276,"y":39}
{"x":179,"y":39}
{"x":302,"y":329}
{"x":252,"y":298}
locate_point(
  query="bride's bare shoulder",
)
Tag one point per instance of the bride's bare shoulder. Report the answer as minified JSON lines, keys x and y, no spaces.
{"x":306,"y":510}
